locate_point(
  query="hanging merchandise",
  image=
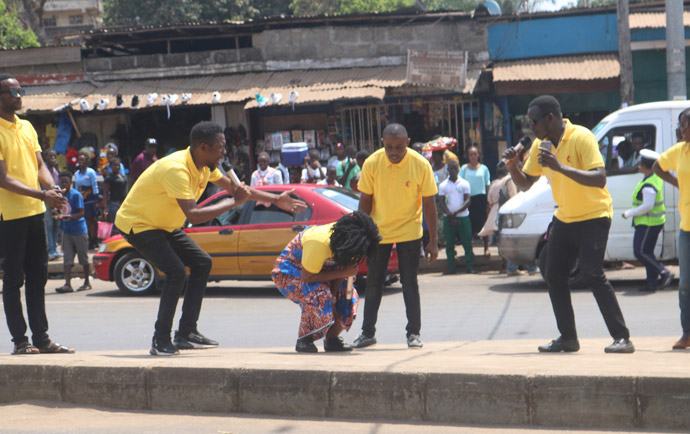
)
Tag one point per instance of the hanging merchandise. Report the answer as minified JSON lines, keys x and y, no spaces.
{"x":276,"y":97}
{"x":102,"y":104}
{"x":84,"y":105}
{"x":261,"y":100}
{"x":186,"y":97}
{"x":64,"y":134}
{"x":119,"y":101}
{"x":151,"y":98}
{"x":168,"y":100}
{"x":293,"y":97}
{"x":216,"y":98}
{"x":440,"y":144}
{"x":135,"y":101}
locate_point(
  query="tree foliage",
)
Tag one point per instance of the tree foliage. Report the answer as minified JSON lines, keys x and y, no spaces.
{"x":161,"y":12}
{"x":12,"y":33}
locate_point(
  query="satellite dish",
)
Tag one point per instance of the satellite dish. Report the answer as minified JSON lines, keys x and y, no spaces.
{"x":493,"y":7}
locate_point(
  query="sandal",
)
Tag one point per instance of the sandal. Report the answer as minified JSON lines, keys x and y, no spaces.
{"x":64,"y":289}
{"x":84,"y":287}
{"x":55,"y":348}
{"x":24,"y":348}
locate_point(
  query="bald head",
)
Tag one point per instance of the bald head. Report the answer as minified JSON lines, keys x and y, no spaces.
{"x":395,"y":130}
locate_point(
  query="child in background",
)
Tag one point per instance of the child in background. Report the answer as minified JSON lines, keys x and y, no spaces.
{"x":331,"y":173}
{"x":75,"y":238}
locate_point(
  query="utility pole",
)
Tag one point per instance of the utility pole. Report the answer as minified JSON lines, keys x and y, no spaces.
{"x":625,"y":53}
{"x":675,"y":51}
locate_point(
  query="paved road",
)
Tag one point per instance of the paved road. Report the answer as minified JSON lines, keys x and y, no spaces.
{"x":36,"y":417}
{"x":487,"y":306}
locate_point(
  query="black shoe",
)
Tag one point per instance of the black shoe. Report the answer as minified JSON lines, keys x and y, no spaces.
{"x":364,"y":341}
{"x":193,"y":341}
{"x":451,"y":271}
{"x":621,"y":345}
{"x":558,"y":345}
{"x":666,"y":279}
{"x":163,"y":347}
{"x":336,"y":344}
{"x":647,"y":288}
{"x":306,"y":345}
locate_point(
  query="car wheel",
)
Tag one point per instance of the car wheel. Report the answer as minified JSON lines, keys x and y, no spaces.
{"x":135,"y":275}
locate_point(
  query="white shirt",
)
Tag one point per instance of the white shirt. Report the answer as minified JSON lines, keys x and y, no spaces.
{"x":315,"y":173}
{"x":325,"y":182}
{"x":454,"y":194}
{"x":268,"y":177}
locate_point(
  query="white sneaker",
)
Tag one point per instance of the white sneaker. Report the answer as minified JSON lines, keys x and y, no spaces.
{"x":414,"y":341}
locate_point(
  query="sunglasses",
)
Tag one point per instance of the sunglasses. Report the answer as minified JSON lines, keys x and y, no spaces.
{"x":15,"y":92}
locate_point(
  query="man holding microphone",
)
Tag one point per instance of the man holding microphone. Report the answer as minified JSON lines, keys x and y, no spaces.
{"x":568,"y":155}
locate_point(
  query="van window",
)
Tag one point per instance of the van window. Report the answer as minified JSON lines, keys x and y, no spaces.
{"x":620,"y":147}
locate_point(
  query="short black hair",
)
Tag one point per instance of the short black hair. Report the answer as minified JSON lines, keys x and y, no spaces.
{"x":350,"y":151}
{"x":353,"y":237}
{"x":547,"y":104}
{"x":395,"y":130}
{"x":5,"y":76}
{"x":48,"y":151}
{"x":115,"y":160}
{"x":66,"y":174}
{"x":204,"y":132}
{"x":453,"y":162}
{"x":646,"y":162}
{"x":362,"y":155}
{"x":685,"y":113}
{"x":314,"y":154}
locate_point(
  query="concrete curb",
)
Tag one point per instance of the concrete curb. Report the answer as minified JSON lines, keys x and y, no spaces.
{"x":455,"y":383}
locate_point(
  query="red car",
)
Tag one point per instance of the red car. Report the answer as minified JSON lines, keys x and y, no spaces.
{"x":244,"y":242}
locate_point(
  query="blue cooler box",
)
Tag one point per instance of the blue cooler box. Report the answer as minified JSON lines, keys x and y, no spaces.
{"x":294,"y":153}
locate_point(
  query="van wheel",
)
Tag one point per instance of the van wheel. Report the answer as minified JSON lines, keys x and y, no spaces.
{"x":135,"y":275}
{"x":543,"y":253}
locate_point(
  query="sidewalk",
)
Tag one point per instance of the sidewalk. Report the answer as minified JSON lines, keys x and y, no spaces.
{"x":481,"y":383}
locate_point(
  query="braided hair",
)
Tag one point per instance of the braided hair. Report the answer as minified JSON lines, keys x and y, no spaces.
{"x":353,"y":237}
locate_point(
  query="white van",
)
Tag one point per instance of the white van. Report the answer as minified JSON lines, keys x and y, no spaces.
{"x":524,"y":219}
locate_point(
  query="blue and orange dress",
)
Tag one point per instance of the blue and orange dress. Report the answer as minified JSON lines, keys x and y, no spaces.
{"x":321,"y":307}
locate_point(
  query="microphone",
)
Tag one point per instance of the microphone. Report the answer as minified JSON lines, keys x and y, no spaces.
{"x":525,"y":141}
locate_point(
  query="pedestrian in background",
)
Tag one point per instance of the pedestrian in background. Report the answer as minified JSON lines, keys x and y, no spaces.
{"x":52,"y":225}
{"x":454,"y":200}
{"x":678,"y":158}
{"x":114,"y":189}
{"x":477,"y":174}
{"x":649,"y":216}
{"x":394,"y":183}
{"x":23,"y":251}
{"x":265,"y":174}
{"x":312,"y":271}
{"x":569,"y":156}
{"x":348,"y":168}
{"x":145,"y":158}
{"x":312,"y":171}
{"x":86,"y":182}
{"x":75,"y":239}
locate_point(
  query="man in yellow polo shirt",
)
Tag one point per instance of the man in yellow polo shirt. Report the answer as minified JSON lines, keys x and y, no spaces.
{"x":23,"y":253}
{"x":568,"y":155}
{"x":678,"y":158}
{"x":151,"y":218}
{"x":394,"y":183}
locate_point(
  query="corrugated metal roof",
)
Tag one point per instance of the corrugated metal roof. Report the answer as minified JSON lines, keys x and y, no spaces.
{"x":588,"y":67}
{"x":655,"y":20}
{"x":233,"y":88}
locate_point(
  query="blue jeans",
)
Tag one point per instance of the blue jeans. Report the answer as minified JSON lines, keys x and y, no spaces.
{"x":52,"y":232}
{"x":644,"y":242}
{"x":514,"y":267}
{"x":684,"y":280}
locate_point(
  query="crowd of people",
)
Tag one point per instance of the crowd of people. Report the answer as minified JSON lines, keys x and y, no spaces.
{"x":399,"y":189}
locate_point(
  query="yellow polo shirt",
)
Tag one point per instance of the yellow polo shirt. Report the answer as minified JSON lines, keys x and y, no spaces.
{"x":678,"y":158}
{"x":316,"y":247}
{"x":576,"y":202}
{"x":18,"y":147}
{"x":397,"y":191}
{"x":152,"y":201}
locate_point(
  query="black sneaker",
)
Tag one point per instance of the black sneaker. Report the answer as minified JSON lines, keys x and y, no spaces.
{"x":306,"y":345}
{"x":621,"y":345}
{"x":163,"y":347}
{"x":336,"y":344}
{"x":558,"y":345}
{"x":193,"y":341}
{"x":364,"y":341}
{"x":646,"y":288}
{"x":666,"y":279}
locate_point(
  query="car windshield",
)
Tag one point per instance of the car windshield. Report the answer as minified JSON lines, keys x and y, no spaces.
{"x":348,"y":199}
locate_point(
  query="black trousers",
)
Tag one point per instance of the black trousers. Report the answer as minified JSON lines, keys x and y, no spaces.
{"x":586,"y":242}
{"x":408,"y":263}
{"x":171,"y":252}
{"x":24,"y":257}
